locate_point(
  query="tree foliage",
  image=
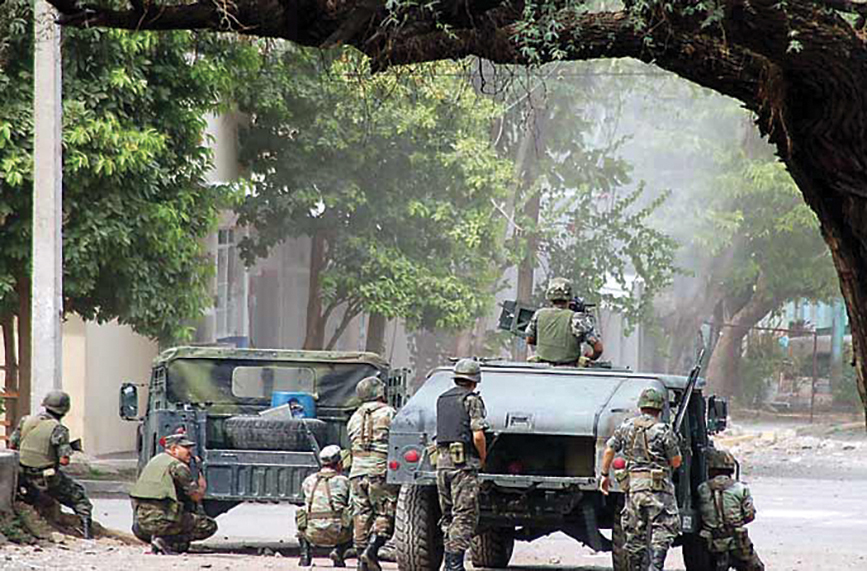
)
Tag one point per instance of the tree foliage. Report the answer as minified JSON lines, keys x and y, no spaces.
{"x":395,"y":174}
{"x":135,"y":201}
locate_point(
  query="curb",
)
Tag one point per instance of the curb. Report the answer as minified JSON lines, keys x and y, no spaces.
{"x":104,"y":488}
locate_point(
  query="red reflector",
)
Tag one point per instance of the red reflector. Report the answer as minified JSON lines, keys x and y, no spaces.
{"x":393,"y":465}
{"x":619,"y":463}
{"x":412,"y":456}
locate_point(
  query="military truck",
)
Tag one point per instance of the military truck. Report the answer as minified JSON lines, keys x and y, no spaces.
{"x":549,"y":430}
{"x":216,"y":394}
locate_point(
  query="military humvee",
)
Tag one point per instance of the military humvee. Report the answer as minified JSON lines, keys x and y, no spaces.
{"x":549,"y":430}
{"x":216,"y":393}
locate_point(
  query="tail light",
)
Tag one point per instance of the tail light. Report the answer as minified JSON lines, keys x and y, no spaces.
{"x":394,"y":465}
{"x":412,"y":456}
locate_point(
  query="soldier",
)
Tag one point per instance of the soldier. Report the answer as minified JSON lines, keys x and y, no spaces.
{"x":326,"y":518}
{"x":167,"y":511}
{"x":726,"y":508}
{"x":651,"y":452}
{"x":557,"y":332}
{"x":43,"y":445}
{"x":373,"y":500}
{"x":461,"y":453}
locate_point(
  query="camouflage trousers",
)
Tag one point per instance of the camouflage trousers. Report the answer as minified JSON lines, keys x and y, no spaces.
{"x":373,"y":505}
{"x":168,"y":519}
{"x":63,"y":489}
{"x":740,"y":553}
{"x":325,"y":532}
{"x":459,"y":502}
{"x":649,"y":512}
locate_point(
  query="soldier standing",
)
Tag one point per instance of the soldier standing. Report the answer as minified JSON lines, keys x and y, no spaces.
{"x":461,"y":453}
{"x":167,"y":511}
{"x":726,"y":508}
{"x":43,"y":445}
{"x":557,"y":332}
{"x":326,"y":518}
{"x":373,"y":500}
{"x":651,"y":452}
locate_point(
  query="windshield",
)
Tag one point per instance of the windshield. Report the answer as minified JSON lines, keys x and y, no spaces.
{"x":224,"y":381}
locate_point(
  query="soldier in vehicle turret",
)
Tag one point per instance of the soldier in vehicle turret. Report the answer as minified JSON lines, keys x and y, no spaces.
{"x":651,"y":452}
{"x":461,"y":453}
{"x":558,"y":332}
{"x":726,"y":508}
{"x":325,"y":520}
{"x":167,"y":512}
{"x":43,"y":445}
{"x":373,"y":499}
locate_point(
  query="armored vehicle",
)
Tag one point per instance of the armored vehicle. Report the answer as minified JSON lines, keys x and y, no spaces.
{"x":216,"y":396}
{"x":549,"y":430}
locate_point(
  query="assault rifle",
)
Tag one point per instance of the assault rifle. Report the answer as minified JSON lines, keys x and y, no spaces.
{"x":690,"y":387}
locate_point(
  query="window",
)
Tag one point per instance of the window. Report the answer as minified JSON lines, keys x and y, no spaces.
{"x":260,"y":382}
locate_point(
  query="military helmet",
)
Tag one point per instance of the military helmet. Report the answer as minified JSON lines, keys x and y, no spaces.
{"x":559,"y":289}
{"x":720,"y":460}
{"x":330,"y":455}
{"x":651,"y":398}
{"x":370,"y":389}
{"x":468,"y":370}
{"x":56,"y":402}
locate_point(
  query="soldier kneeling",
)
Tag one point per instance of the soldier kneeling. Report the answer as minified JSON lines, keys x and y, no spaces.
{"x":166,"y":502}
{"x":726,"y":508}
{"x":326,"y":518}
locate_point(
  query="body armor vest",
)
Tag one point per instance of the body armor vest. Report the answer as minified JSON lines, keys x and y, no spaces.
{"x":555,"y":342}
{"x":36,"y":449}
{"x":453,"y":420}
{"x":156,"y":482}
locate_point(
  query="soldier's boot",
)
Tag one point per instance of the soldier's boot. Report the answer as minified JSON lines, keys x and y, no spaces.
{"x":657,"y":559}
{"x":87,"y":528}
{"x":338,"y":554}
{"x":160,"y":546}
{"x":306,"y":559}
{"x":370,"y":557}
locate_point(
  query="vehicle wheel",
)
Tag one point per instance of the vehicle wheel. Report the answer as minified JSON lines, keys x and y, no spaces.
{"x":619,"y":557}
{"x":493,"y":548}
{"x":417,"y":529}
{"x":257,"y":433}
{"x":696,"y":555}
{"x":217,"y":507}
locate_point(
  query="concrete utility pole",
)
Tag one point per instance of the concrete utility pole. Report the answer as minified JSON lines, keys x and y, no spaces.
{"x":47,"y":281}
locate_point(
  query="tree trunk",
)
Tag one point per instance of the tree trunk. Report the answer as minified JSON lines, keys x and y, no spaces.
{"x":723,"y":370}
{"x":315,"y":333}
{"x":376,"y":334}
{"x":22,"y":287}
{"x":10,"y":358}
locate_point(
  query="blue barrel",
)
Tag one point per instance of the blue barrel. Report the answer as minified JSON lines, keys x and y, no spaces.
{"x":302,"y":404}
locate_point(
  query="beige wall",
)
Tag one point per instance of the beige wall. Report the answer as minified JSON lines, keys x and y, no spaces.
{"x":96,"y":360}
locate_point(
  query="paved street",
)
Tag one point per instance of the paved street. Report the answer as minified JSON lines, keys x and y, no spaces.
{"x":803,"y":525}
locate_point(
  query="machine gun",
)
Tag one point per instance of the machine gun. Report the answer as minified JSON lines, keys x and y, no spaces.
{"x":515,"y":317}
{"x":690,"y":387}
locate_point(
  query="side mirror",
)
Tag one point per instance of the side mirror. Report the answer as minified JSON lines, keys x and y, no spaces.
{"x":129,"y":401}
{"x":717,"y":414}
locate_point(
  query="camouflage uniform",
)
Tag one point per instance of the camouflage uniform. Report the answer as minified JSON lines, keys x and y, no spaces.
{"x":46,"y":476}
{"x":649,"y":445}
{"x":179,"y":518}
{"x":373,"y":500}
{"x":726,"y":508}
{"x":326,"y":518}
{"x":458,"y":485}
{"x":561,"y":333}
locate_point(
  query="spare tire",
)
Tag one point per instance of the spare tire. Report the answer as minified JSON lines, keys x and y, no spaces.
{"x":257,"y":433}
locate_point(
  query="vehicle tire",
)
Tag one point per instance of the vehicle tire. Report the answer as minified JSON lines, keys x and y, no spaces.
{"x":696,"y":556}
{"x":493,"y":548}
{"x":257,"y":433}
{"x":619,"y":557}
{"x":417,"y":529}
